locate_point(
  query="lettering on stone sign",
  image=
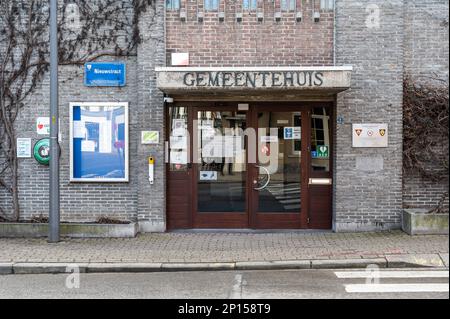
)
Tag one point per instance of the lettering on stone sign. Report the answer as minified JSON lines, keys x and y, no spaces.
{"x":254,"y":79}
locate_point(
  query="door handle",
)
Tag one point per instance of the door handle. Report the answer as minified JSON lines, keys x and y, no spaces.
{"x":268,"y":179}
{"x":320,"y":181}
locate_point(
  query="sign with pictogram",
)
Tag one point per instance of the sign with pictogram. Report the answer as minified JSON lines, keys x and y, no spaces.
{"x":370,"y":135}
{"x":322,"y":151}
{"x":43,"y":125}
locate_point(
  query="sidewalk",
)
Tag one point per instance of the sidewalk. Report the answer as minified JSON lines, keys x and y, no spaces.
{"x":189,"y":251}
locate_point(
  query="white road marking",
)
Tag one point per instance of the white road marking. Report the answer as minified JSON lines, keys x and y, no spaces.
{"x":236,"y":293}
{"x":396,"y":288}
{"x":393,"y":274}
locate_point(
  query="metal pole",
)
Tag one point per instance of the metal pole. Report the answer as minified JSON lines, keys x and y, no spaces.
{"x":54,"y":127}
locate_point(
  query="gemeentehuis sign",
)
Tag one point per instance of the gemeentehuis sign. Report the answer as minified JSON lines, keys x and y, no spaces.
{"x":219,"y":79}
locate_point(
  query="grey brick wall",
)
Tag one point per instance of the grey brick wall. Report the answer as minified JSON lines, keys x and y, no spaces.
{"x":426,"y":38}
{"x":151,"y":53}
{"x":81,"y":202}
{"x":368,"y":199}
{"x":411,"y":37}
{"x":426,"y":55}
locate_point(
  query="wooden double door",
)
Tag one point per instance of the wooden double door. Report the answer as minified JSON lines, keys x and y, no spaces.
{"x":245,"y":165}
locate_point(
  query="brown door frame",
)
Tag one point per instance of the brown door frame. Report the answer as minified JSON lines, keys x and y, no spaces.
{"x":251,"y":219}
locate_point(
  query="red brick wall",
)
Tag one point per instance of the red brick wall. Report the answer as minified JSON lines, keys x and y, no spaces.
{"x":251,"y":43}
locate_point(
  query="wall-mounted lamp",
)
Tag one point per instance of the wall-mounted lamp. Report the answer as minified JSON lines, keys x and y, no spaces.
{"x":168,"y":99}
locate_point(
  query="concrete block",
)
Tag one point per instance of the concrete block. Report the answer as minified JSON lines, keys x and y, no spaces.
{"x":418,"y":221}
{"x":151,"y":227}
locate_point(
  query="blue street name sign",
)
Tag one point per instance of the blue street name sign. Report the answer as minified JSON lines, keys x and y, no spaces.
{"x":104,"y":74}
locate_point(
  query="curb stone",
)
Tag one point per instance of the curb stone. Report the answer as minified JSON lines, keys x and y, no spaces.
{"x":444,"y":257}
{"x":6,"y":268}
{"x":393,"y":261}
{"x":419,"y":260}
{"x":123,"y":267}
{"x":348,"y":263}
{"x":46,"y":268}
{"x":197,"y":266}
{"x":267,"y":265}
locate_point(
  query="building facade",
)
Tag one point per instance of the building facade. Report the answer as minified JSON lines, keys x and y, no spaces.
{"x":282,"y":114}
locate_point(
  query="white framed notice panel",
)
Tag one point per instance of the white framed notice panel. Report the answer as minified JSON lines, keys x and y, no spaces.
{"x":99,"y":142}
{"x":370,"y":135}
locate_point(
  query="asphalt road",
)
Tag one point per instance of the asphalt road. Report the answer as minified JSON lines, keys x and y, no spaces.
{"x":392,"y":284}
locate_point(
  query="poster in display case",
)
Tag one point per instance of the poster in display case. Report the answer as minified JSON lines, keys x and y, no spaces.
{"x":99,"y":142}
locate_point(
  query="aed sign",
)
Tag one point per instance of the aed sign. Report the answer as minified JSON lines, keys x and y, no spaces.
{"x":105,"y":74}
{"x":370,"y":135}
{"x":322,"y":151}
{"x":43,"y":125}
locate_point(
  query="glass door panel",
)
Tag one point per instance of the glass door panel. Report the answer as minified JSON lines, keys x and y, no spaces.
{"x":320,"y":140}
{"x":178,"y":139}
{"x":221,"y":180}
{"x":279,"y":162}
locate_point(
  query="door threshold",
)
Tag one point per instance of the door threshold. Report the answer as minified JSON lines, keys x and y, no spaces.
{"x":248,"y":230}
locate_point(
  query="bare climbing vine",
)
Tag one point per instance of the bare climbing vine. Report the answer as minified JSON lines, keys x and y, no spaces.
{"x":426,"y":131}
{"x":88,"y":30}
{"x":425,"y":128}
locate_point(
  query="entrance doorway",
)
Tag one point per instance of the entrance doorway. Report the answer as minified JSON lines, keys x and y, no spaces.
{"x":259,"y":166}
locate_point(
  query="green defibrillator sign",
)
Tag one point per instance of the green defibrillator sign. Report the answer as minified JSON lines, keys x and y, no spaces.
{"x":322,"y":151}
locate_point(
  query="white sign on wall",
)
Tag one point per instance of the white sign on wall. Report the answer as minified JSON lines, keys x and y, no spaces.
{"x":23,"y":147}
{"x":370,"y":135}
{"x":180,"y":59}
{"x":43,"y":125}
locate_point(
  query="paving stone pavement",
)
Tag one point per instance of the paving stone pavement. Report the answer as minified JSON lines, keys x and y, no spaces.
{"x":223,"y":247}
